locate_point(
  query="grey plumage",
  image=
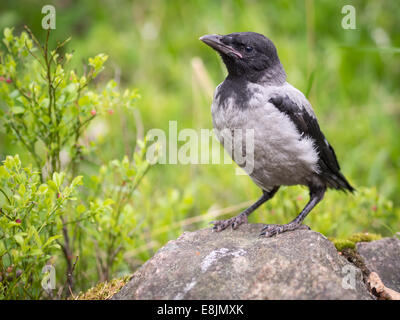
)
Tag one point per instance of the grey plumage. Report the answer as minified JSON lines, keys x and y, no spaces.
{"x":289,"y":147}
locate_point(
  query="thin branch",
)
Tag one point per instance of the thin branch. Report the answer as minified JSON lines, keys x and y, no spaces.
{"x":5,"y":214}
{"x":33,"y":37}
{"x":70,"y":275}
{"x":33,"y":55}
{"x":139,"y":126}
{"x":5,"y":194}
{"x":29,"y":148}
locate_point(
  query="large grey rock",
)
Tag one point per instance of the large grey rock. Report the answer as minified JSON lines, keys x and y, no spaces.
{"x":383,"y":257}
{"x":237,"y":264}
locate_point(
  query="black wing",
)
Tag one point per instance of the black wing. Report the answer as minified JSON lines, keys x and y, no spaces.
{"x":307,"y":124}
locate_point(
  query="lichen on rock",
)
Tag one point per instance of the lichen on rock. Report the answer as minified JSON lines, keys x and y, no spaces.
{"x":238,"y":264}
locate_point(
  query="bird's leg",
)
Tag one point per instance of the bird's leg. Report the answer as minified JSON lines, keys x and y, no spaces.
{"x":316,"y":195}
{"x":242,"y":217}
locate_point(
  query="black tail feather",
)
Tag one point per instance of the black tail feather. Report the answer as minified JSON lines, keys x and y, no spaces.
{"x":339,"y":182}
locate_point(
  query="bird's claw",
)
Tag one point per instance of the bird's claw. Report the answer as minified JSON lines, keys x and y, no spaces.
{"x":234,"y":222}
{"x":271,"y":230}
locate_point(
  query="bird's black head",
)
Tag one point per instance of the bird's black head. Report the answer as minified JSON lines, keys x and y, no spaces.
{"x":248,"y":54}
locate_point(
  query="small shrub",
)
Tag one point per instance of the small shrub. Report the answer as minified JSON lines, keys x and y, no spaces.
{"x":46,"y":108}
{"x":30,"y":226}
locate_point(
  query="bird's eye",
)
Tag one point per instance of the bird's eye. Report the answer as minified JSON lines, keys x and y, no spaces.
{"x":249,"y":49}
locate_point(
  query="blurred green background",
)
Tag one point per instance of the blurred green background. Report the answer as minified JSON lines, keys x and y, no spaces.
{"x":351,"y":76}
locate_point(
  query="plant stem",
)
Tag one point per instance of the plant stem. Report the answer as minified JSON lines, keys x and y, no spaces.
{"x":5,"y":194}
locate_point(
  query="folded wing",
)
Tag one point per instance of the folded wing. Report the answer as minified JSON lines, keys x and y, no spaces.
{"x":307,"y":124}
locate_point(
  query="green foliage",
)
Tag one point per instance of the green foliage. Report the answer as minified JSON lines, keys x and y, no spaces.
{"x":350,"y":77}
{"x":30,"y":226}
{"x":47,"y":109}
{"x":111,"y":191}
{"x":47,"y":106}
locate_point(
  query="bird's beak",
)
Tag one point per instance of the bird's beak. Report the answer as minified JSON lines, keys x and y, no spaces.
{"x":214,"y":41}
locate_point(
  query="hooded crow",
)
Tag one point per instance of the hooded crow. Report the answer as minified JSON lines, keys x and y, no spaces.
{"x":289,"y":147}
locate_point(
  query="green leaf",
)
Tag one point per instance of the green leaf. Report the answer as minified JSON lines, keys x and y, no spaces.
{"x":14,"y":94}
{"x":115,"y":163}
{"x":97,"y":63}
{"x":77,"y":181}
{"x":8,"y":36}
{"x":19,"y":238}
{"x":9,"y":163}
{"x":125,"y":162}
{"x":58,"y":178}
{"x":131,"y":172}
{"x":36,"y":236}
{"x":50,"y":240}
{"x":80,"y":208}
{"x":36,"y":252}
{"x":3,"y":172}
{"x":43,"y":189}
{"x":52,"y":185}
{"x":17,"y":161}
{"x":108,"y":202}
{"x":21,"y":189}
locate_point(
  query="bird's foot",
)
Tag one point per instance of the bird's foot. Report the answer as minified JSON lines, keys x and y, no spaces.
{"x":234,"y":222}
{"x":273,"y":229}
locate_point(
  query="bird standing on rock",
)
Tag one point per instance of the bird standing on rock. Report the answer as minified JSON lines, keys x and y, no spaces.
{"x":289,"y":147}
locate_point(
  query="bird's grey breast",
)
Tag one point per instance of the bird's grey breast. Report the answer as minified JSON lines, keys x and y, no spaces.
{"x":281,"y":155}
{"x":231,"y":103}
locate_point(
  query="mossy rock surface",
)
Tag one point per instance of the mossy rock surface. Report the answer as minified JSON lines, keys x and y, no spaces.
{"x":351,"y":241}
{"x":103,"y":290}
{"x":238,"y":264}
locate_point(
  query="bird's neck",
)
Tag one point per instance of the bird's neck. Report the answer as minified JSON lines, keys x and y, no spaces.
{"x":273,"y":76}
